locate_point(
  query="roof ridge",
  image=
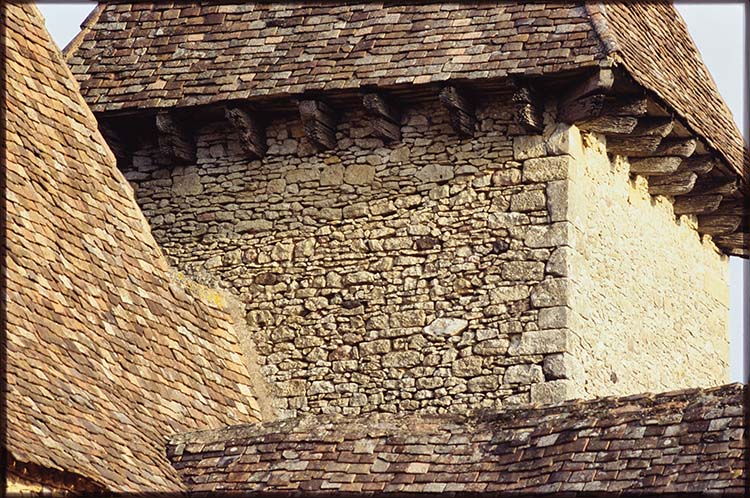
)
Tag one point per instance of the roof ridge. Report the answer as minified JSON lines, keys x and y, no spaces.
{"x":598,"y":18}
{"x":85,"y":26}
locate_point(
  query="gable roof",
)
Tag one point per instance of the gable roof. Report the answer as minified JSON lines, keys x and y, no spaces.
{"x":690,"y":440}
{"x":170,"y":54}
{"x":106,"y":354}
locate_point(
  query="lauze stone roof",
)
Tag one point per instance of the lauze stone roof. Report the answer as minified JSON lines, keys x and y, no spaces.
{"x":675,"y":442}
{"x":105,"y":355}
{"x":174,"y":54}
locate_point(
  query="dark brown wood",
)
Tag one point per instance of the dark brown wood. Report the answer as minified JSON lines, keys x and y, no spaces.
{"x":319,"y":123}
{"x":723,"y":186}
{"x":621,"y":125}
{"x":696,"y":204}
{"x":529,"y":107}
{"x":582,"y":109}
{"x":654,"y":126}
{"x":600,"y":81}
{"x":675,"y":184}
{"x":737,"y":207}
{"x":115,"y":141}
{"x":700,"y":164}
{"x":386,"y":118}
{"x":718,"y":224}
{"x":736,"y":244}
{"x":460,"y":109}
{"x":249,"y":129}
{"x":632,"y":146}
{"x":682,"y":147}
{"x":626,"y":105}
{"x":654,"y":166}
{"x":176,"y":143}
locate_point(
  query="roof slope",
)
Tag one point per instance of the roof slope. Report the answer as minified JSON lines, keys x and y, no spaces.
{"x":682,"y":441}
{"x":174,"y":54}
{"x":106,"y":356}
{"x":653,"y":43}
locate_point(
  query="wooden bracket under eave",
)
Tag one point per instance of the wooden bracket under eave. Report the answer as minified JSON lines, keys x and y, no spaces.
{"x":176,"y":143}
{"x":249,"y":129}
{"x":319,"y":123}
{"x":385,"y":116}
{"x":528,"y":106}
{"x":460,"y":111}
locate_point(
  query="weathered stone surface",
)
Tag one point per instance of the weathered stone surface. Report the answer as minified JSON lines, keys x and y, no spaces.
{"x":528,"y":146}
{"x":532,"y":200}
{"x":187,"y":185}
{"x":540,"y":342}
{"x":435,"y":173}
{"x":544,"y":169}
{"x":470,"y":366}
{"x":555,"y":367}
{"x":253,"y":226}
{"x":551,"y":292}
{"x":446,"y":327}
{"x":402,"y":359}
{"x":359,"y":174}
{"x":333,"y":175}
{"x":550,"y":392}
{"x":523,"y":374}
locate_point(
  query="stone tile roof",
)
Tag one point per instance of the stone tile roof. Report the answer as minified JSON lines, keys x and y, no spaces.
{"x":174,"y":54}
{"x":652,"y":41}
{"x":105,"y":355}
{"x":690,"y":440}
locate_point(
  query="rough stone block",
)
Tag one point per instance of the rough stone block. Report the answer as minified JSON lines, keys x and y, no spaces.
{"x":563,"y":139}
{"x":528,"y":146}
{"x":523,"y":374}
{"x":359,"y":174}
{"x":471,"y":366}
{"x":402,"y":359}
{"x":551,"y":292}
{"x":540,"y":342}
{"x":435,"y":173}
{"x":527,"y":271}
{"x":187,"y":185}
{"x":554,"y":235}
{"x":332,"y":175}
{"x":556,"y":317}
{"x":483,"y":383}
{"x":544,"y":169}
{"x":557,"y":200}
{"x":253,"y":226}
{"x":550,"y":392}
{"x":446,"y":327}
{"x":555,"y":366}
{"x":530,"y":200}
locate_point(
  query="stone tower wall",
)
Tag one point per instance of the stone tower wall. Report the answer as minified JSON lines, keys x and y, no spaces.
{"x":650,"y":298}
{"x":442,"y":274}
{"x":375,"y":277}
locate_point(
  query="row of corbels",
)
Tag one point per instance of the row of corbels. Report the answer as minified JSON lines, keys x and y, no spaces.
{"x":699,"y":183}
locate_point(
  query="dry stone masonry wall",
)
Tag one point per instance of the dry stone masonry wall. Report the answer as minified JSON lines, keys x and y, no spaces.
{"x":378,"y":278}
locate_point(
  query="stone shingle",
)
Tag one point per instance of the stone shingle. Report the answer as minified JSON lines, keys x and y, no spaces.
{"x":107,"y":354}
{"x":603,"y":444}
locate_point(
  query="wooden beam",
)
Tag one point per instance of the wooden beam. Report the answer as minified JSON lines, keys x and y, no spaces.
{"x":600,"y":81}
{"x":655,"y":166}
{"x":319,"y":123}
{"x":632,"y":146}
{"x":175,"y":141}
{"x":696,"y":204}
{"x":718,"y":224}
{"x":460,"y":109}
{"x":675,"y":184}
{"x":700,"y":164}
{"x":585,"y":108}
{"x":732,"y":205}
{"x":115,"y":141}
{"x":386,"y":117}
{"x":529,"y":107}
{"x":249,"y":129}
{"x":620,"y":125}
{"x":735,"y":244}
{"x":626,"y":105}
{"x":723,"y":186}
{"x":654,"y":127}
{"x":682,"y":147}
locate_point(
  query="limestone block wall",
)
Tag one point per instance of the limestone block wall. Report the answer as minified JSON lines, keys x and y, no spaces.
{"x":411,"y":276}
{"x":649,"y":299}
